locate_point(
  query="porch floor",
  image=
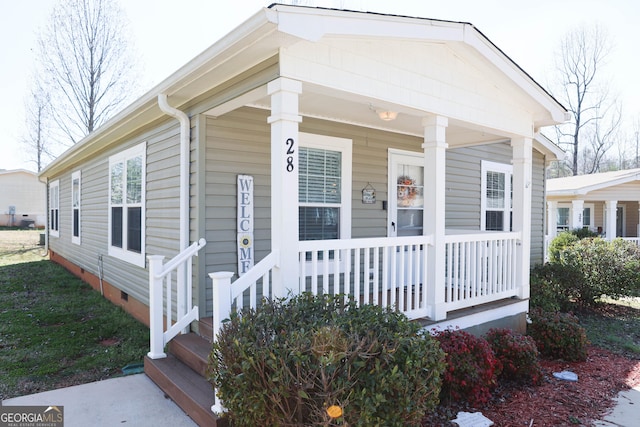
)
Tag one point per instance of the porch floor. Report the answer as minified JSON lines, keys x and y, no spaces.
{"x":477,"y":319}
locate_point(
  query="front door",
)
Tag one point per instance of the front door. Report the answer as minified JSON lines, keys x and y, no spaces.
{"x":406,"y":193}
{"x":620,"y":232}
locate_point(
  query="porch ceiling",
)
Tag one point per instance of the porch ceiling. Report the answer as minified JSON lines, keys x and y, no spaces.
{"x":351,"y":108}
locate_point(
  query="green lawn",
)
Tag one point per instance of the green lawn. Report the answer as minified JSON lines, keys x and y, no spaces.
{"x":55,"y":330}
{"x":615,"y":325}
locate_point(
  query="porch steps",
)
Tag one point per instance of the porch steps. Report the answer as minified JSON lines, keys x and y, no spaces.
{"x":181,"y":376}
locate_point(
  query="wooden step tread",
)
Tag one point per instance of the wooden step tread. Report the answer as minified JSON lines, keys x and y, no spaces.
{"x":206,"y":328}
{"x":186,"y":388}
{"x":192,"y":350}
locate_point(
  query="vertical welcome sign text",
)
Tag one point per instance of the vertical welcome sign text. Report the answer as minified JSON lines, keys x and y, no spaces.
{"x":245,"y":224}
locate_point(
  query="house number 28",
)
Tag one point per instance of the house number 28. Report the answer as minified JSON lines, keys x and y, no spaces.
{"x":290,"y":152}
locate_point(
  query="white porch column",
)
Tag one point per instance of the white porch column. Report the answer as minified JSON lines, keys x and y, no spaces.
{"x":435,"y":147}
{"x":552,"y":219}
{"x":577,"y":211}
{"x":522,"y":164}
{"x":610,"y":224}
{"x":284,"y":121}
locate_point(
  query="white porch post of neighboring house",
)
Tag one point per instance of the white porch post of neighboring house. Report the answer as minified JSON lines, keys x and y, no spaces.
{"x":284,"y":121}
{"x":552,"y":220}
{"x":435,"y":148}
{"x":610,"y":211}
{"x":522,"y":164}
{"x":638,"y":226}
{"x":577,"y":211}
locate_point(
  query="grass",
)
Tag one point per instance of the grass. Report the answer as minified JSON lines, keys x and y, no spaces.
{"x":614,"y":325}
{"x":55,"y":330}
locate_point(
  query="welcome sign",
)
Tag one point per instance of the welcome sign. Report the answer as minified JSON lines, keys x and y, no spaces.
{"x":245,"y":223}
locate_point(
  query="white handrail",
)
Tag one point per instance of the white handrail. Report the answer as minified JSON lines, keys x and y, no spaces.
{"x":158,"y":310}
{"x":181,"y":257}
{"x":247,"y":280}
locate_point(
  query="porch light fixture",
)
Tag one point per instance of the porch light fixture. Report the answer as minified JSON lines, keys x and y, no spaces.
{"x":387,"y":116}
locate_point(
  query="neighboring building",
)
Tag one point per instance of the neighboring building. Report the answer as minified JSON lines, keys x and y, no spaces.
{"x":393,"y":158}
{"x":588,"y":201}
{"x":22,"y":199}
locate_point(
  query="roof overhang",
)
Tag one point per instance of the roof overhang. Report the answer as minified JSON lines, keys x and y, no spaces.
{"x":273,"y":29}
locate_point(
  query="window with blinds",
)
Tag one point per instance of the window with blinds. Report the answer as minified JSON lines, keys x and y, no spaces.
{"x":497,"y":183}
{"x":319,"y":193}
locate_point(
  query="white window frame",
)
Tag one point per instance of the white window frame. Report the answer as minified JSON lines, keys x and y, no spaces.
{"x":592,"y":208}
{"x":115,"y":251}
{"x":344,"y":146}
{"x":54,"y":208}
{"x":507,"y":169}
{"x":570,"y":226}
{"x":76,"y":239}
{"x":570,"y":215}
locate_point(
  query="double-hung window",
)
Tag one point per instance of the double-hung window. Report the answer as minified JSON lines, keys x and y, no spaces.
{"x":127,"y":205}
{"x":324,"y":187}
{"x":563,"y":218}
{"x":496,"y":196}
{"x":75,"y":207}
{"x":54,"y":208}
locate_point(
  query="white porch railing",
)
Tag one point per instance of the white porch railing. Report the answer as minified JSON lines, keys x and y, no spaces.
{"x":161,"y":293}
{"x":226,"y":296}
{"x":635,"y":240}
{"x":389,"y":271}
{"x":480,"y":268}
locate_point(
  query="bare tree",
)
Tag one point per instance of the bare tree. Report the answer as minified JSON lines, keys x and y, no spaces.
{"x":596,"y":115}
{"x":37,"y":141}
{"x":87,"y":61}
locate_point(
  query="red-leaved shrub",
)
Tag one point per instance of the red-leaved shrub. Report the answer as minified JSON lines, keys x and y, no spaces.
{"x":517,"y":355}
{"x":558,"y":335}
{"x":470,"y":373}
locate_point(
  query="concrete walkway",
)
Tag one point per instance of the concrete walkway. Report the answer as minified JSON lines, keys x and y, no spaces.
{"x":626,"y":412}
{"x":133,"y":400}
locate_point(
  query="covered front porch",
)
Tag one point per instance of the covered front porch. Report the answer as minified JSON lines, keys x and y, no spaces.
{"x":424,"y":276}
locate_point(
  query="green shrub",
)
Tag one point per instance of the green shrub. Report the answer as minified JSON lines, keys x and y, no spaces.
{"x":559,"y":243}
{"x":558,"y":335}
{"x":598,"y":267}
{"x":517,"y":354}
{"x":583,"y":233}
{"x":470,"y":374}
{"x":288,"y":362}
{"x":548,"y":291}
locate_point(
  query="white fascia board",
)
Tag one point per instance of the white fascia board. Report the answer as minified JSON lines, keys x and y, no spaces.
{"x":313,"y":24}
{"x":547,"y":147}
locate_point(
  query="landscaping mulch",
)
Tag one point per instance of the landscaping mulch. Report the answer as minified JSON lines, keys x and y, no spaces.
{"x":556,"y":402}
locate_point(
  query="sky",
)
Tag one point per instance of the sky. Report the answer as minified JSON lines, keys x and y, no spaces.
{"x":166,"y":34}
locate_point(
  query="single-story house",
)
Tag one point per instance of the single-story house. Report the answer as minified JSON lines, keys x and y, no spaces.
{"x":391,"y":158}
{"x":22,"y":199}
{"x":589,"y":201}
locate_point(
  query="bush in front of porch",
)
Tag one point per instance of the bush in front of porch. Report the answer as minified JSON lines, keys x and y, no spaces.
{"x":320,"y":360}
{"x":472,"y":367}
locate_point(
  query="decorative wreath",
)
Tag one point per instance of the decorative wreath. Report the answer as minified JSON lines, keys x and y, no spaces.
{"x":407,"y":190}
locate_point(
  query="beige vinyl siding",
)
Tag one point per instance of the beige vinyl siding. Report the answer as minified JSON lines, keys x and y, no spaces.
{"x":463,"y":183}
{"x":538,"y":209}
{"x":632,"y":219}
{"x":162,"y":211}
